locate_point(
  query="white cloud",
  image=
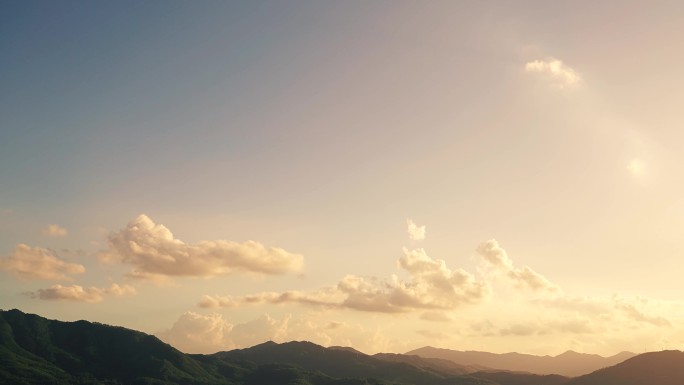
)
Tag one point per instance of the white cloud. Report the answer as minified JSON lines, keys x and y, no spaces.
{"x":200,"y":333}
{"x":497,"y":257}
{"x":558,"y":73}
{"x":432,"y":285}
{"x":81,"y":294}
{"x":27,"y":262}
{"x":197,"y":333}
{"x":55,"y":231}
{"x":154,"y":253}
{"x":416,"y":233}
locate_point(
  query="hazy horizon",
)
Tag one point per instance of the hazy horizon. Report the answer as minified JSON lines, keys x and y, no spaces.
{"x":384,"y":175}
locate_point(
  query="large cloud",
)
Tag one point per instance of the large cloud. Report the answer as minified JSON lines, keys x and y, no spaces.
{"x":27,"y":262}
{"x":81,"y":294}
{"x":432,"y":285}
{"x":154,"y":252}
{"x":497,"y":257}
{"x":197,"y":333}
{"x":208,"y":333}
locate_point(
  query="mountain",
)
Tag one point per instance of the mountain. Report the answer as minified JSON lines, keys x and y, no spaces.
{"x":521,"y":378}
{"x":434,"y":364}
{"x":35,"y":350}
{"x":657,"y":368}
{"x":343,"y":363}
{"x":567,"y":364}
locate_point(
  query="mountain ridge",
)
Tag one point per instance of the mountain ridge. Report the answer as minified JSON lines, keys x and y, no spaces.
{"x":35,"y":350}
{"x":569,"y":363}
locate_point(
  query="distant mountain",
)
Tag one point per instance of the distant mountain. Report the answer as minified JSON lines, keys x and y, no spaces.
{"x":343,"y":363}
{"x":657,"y":368}
{"x":434,"y":364}
{"x":520,"y":378}
{"x":567,"y":364}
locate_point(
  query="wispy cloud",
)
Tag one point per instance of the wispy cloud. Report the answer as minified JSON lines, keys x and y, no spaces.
{"x":81,"y":294}
{"x":154,"y":252}
{"x":55,"y":231}
{"x":556,"y":71}
{"x":497,"y":257}
{"x":27,"y":262}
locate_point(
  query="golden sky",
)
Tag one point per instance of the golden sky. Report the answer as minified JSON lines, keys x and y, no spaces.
{"x":496,"y":176}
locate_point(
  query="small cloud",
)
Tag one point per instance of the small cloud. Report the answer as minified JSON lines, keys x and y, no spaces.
{"x":27,"y":262}
{"x":636,"y":167}
{"x":634,"y":313}
{"x":334,"y":325}
{"x":558,"y":73}
{"x":435,"y":335}
{"x":497,"y":257}
{"x":80,"y":294}
{"x":155,"y":254}
{"x":435,"y":317}
{"x":416,"y":233}
{"x":55,"y":231}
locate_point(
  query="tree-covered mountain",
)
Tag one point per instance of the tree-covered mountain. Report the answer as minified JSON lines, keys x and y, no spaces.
{"x":567,"y":364}
{"x":35,"y":350}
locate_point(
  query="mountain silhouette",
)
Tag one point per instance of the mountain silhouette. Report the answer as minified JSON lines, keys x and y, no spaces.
{"x":343,"y":363}
{"x":49,"y":351}
{"x":656,"y":368}
{"x":435,"y":364}
{"x":35,"y":350}
{"x":567,"y":364}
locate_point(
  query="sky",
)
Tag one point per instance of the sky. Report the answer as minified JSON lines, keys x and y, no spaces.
{"x":497,"y":176}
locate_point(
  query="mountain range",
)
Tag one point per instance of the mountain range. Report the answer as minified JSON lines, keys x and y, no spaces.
{"x":568,"y":364}
{"x":35,"y":350}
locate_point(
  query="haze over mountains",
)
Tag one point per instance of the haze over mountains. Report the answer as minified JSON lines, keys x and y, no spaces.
{"x":35,"y":350}
{"x":568,"y":364}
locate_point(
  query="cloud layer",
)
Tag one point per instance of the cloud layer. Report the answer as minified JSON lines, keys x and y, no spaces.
{"x":81,"y":294}
{"x":432,"y":285}
{"x":208,"y":333}
{"x":154,"y":252}
{"x":27,"y":262}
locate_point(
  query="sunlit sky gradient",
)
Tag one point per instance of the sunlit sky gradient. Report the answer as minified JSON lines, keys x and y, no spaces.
{"x":499,"y":176}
